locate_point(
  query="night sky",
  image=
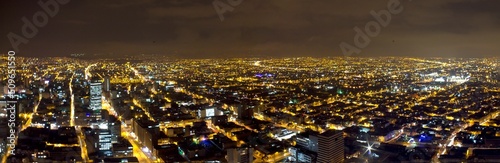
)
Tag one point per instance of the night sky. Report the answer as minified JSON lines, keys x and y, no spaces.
{"x":255,"y":28}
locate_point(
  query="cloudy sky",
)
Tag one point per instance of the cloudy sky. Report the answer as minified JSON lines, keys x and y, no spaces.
{"x":278,"y":28}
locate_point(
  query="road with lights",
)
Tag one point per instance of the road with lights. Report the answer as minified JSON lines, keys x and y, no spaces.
{"x":140,"y":154}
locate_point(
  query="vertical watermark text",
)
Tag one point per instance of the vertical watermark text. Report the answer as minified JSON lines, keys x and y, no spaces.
{"x":11,"y":100}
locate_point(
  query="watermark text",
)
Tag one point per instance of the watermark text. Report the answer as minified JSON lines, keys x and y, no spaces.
{"x":11,"y":101}
{"x":372,"y":29}
{"x":221,"y":7}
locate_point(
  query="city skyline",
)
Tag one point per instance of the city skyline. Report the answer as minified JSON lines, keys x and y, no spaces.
{"x":194,"y":29}
{"x":377,"y":109}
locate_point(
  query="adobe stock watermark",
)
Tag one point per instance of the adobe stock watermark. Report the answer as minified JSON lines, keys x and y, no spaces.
{"x":221,"y":7}
{"x":39,"y":20}
{"x":372,"y":29}
{"x":11,"y":102}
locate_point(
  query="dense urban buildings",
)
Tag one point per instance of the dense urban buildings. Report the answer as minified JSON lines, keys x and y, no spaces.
{"x":380,"y":109}
{"x":96,"y":99}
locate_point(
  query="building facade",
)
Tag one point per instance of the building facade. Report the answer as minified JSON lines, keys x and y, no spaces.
{"x":330,"y":147}
{"x":96,"y":98}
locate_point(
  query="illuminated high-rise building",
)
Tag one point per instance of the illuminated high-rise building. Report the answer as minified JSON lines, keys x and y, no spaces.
{"x":330,"y":147}
{"x":103,"y":141}
{"x":96,"y":98}
{"x":107,"y":84}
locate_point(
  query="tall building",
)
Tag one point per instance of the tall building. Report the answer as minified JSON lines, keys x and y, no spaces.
{"x":27,"y":82}
{"x":114,"y":126}
{"x":96,"y":98}
{"x":302,"y":155}
{"x":330,"y":147}
{"x":308,"y":141}
{"x":147,"y":132}
{"x":107,"y":83}
{"x":307,"y":147}
{"x":240,"y":155}
{"x":103,"y":142}
{"x":244,"y":111}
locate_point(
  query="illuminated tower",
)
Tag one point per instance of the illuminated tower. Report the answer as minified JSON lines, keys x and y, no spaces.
{"x":106,"y":84}
{"x":96,"y":98}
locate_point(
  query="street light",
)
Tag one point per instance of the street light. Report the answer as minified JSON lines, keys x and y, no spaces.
{"x":369,"y":147}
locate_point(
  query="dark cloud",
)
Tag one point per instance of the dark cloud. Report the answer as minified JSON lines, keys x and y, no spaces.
{"x":192,"y":28}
